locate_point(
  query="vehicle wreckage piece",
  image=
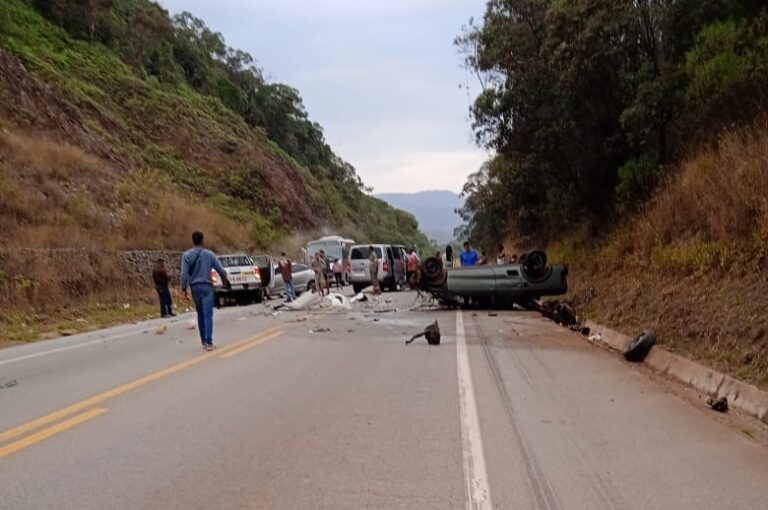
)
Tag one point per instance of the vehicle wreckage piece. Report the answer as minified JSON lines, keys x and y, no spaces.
{"x":496,"y":286}
{"x":305,"y":301}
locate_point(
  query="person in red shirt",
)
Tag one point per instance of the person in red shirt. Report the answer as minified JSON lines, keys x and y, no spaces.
{"x":411,"y":265}
{"x":286,"y":270}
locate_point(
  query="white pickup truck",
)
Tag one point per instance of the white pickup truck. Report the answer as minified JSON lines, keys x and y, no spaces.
{"x":244,"y":276}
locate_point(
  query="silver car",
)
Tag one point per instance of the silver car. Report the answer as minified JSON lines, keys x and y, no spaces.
{"x":272,"y":279}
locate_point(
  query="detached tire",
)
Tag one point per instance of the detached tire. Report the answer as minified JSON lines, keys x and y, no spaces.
{"x":639,"y":348}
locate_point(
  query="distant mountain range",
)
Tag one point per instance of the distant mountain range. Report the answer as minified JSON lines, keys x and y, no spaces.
{"x":433,"y":209}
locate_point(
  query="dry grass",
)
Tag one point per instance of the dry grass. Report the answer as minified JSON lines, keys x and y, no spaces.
{"x":717,"y":202}
{"x":57,"y":196}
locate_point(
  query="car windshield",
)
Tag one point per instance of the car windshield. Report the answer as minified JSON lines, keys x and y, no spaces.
{"x":331,"y":248}
{"x":362,"y":252}
{"x":235,"y":261}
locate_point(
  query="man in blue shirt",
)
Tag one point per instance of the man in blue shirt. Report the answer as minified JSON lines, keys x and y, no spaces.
{"x":196,"y":266}
{"x":468,"y":257}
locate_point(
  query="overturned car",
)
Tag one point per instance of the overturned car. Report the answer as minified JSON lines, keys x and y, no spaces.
{"x":494,"y":286}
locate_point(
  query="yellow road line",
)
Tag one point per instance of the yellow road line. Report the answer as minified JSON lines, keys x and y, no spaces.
{"x":50,"y":431}
{"x":114,"y":392}
{"x":237,"y":351}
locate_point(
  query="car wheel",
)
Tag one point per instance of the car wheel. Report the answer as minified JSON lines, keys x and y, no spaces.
{"x":217,"y":300}
{"x":357,"y":288}
{"x":392,"y":286}
{"x":258,"y":296}
{"x":311,"y":286}
{"x":639,"y":348}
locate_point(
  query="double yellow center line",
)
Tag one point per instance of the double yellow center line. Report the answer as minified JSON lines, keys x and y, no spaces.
{"x":227,"y":352}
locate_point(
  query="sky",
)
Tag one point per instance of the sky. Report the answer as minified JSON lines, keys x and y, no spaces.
{"x":381,"y":76}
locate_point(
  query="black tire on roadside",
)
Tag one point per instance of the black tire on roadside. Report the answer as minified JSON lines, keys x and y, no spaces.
{"x":639,"y":348}
{"x":258,"y":296}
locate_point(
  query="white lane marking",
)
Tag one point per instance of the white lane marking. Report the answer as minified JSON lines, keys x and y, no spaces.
{"x":478,"y":492}
{"x":67,"y":348}
{"x":137,"y":331}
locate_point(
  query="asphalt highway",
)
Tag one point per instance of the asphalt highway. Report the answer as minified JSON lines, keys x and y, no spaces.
{"x":330,"y":409}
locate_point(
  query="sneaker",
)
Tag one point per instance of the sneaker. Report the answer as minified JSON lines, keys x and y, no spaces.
{"x":209,"y":347}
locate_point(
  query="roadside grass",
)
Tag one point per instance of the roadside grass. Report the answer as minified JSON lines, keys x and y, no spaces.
{"x":19,"y":328}
{"x":693,"y":265}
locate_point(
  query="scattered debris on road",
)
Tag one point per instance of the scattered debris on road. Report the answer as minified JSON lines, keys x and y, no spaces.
{"x":162,"y":329}
{"x":8,"y":384}
{"x":320,"y":330}
{"x":720,"y":405}
{"x":431,"y":333}
{"x":339,"y":301}
{"x":386,"y":310}
{"x":560,"y":312}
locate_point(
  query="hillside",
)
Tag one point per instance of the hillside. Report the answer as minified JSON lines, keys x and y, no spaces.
{"x":121,"y":128}
{"x":434,"y":210}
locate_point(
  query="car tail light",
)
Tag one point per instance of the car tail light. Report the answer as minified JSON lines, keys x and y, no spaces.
{"x":386,"y":266}
{"x":214,"y":276}
{"x":257,"y":272}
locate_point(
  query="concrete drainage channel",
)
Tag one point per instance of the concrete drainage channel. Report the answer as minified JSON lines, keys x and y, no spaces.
{"x":740,"y":395}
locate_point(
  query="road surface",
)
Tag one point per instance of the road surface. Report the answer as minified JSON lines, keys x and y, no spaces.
{"x":509,"y":412}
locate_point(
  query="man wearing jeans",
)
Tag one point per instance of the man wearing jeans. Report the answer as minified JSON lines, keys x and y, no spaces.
{"x":286,"y":271}
{"x":196,"y":266}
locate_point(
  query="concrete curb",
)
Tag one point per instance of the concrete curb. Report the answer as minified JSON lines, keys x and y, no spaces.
{"x":741,"y":395}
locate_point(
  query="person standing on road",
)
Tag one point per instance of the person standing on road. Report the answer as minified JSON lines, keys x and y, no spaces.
{"x":411,"y":265}
{"x":338,"y":273}
{"x":448,"y":258}
{"x":501,"y":256}
{"x":318,"y":266}
{"x":373,"y":267}
{"x":196,"y":266}
{"x":160,"y":277}
{"x":469,"y":256}
{"x":285,"y":266}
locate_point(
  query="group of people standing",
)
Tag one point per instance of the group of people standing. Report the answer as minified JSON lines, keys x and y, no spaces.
{"x":327,"y":270}
{"x":470,"y":257}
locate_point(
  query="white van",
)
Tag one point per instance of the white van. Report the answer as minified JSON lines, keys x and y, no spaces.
{"x":360,"y":275}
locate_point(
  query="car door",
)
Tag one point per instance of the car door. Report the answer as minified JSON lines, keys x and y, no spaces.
{"x":472,"y":281}
{"x":509,"y":280}
{"x":267,"y":269}
{"x":359,"y":262}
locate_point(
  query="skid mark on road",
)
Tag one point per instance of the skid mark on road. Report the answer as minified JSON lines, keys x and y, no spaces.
{"x":601,"y":490}
{"x":537,"y":479}
{"x":478,"y":492}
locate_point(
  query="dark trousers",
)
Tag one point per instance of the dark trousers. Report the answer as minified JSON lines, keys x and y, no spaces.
{"x":166,"y":304}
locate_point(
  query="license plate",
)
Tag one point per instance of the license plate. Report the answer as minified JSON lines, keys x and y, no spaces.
{"x":237,"y":279}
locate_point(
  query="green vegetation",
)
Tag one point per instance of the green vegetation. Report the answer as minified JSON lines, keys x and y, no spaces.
{"x":175,"y":113}
{"x":589,"y":103}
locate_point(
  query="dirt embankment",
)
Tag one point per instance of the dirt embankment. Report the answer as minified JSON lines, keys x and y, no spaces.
{"x":693,"y":265}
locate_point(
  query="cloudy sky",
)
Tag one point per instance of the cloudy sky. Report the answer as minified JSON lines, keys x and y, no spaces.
{"x":381,"y":76}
